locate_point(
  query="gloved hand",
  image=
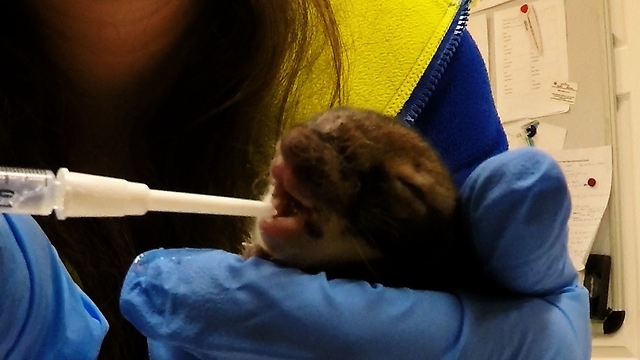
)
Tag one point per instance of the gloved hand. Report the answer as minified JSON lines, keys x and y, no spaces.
{"x":43,"y":313}
{"x":208,"y":304}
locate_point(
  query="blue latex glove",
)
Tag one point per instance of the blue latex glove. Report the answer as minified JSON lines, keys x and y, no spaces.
{"x":208,"y":304}
{"x":43,"y":313}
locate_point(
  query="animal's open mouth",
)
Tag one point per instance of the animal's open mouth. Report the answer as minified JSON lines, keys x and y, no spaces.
{"x":292,"y":206}
{"x":285,"y":204}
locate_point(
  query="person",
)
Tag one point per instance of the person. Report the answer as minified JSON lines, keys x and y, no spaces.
{"x":190,"y":95}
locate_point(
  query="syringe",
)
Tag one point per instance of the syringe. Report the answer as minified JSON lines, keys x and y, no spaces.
{"x":70,"y":194}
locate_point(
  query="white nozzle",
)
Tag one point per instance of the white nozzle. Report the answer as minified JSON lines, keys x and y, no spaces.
{"x":206,"y":204}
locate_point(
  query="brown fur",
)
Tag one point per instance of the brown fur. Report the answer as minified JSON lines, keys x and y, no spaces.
{"x":360,"y":195}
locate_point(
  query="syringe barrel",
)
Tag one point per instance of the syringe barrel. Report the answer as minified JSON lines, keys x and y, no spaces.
{"x":27,"y":191}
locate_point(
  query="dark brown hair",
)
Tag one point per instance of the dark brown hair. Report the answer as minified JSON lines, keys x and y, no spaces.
{"x":210,"y":129}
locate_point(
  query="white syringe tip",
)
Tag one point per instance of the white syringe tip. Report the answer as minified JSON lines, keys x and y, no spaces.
{"x":206,"y":204}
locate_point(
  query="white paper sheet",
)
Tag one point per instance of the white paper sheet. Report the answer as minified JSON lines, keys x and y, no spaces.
{"x":523,"y":77}
{"x":588,"y":202}
{"x":479,"y":5}
{"x":479,"y":29}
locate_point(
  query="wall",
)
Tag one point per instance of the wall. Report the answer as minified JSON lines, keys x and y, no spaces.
{"x":625,"y":24}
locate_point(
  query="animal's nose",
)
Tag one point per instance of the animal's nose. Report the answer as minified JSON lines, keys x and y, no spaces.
{"x":314,"y":162}
{"x":302,"y":146}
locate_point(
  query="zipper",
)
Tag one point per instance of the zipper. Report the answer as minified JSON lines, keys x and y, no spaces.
{"x":429,"y":80}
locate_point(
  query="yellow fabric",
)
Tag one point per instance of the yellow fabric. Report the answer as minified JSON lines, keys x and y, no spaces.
{"x":387,"y":46}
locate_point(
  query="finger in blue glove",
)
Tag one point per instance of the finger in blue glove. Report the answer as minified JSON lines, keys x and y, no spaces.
{"x":43,"y":313}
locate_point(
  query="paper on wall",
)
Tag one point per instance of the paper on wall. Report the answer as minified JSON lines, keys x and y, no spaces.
{"x":524,"y":78}
{"x":479,"y":5}
{"x":588,"y":201}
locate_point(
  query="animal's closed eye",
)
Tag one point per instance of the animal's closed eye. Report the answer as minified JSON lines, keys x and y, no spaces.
{"x":424,"y":190}
{"x":411,"y":195}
